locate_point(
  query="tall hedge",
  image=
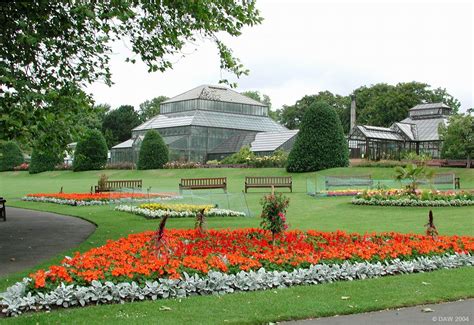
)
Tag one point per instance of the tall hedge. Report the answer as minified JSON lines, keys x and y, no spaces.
{"x":320,"y":143}
{"x":153,"y":152}
{"x":91,"y":152}
{"x":10,"y":156}
{"x":43,"y":160}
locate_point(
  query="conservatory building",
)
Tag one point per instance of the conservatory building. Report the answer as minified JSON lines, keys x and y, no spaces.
{"x":416,"y":133}
{"x":207,"y":122}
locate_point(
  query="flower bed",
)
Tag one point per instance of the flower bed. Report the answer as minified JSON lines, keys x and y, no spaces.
{"x":419,"y":198}
{"x":343,"y":192}
{"x":158,"y":210}
{"x":82,"y":199}
{"x":220,"y":261}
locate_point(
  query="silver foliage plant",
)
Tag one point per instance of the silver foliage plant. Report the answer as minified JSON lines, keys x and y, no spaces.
{"x":414,"y":203}
{"x":17,"y":300}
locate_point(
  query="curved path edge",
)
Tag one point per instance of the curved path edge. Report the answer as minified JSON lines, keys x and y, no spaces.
{"x":30,"y":237}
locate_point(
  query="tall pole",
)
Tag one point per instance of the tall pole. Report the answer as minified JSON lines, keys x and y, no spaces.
{"x":353,"y":111}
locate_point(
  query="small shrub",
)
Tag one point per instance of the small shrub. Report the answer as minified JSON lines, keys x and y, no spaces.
{"x":102,"y":181}
{"x":273,"y":213}
{"x":63,"y":166}
{"x":243,"y":156}
{"x":42,"y":161}
{"x":10,"y":156}
{"x":91,"y":152}
{"x":153,"y":152}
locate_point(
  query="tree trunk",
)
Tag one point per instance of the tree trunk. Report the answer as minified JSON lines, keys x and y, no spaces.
{"x":468,"y":165}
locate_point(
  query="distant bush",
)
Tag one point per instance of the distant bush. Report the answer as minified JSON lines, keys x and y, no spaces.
{"x":320,"y":143}
{"x":43,"y":160}
{"x":10,"y":156}
{"x":153,"y":152}
{"x":380,"y":163}
{"x":120,"y":165}
{"x":91,"y":152}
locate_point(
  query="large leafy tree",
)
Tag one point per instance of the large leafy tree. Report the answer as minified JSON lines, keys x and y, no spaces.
{"x":291,"y":116}
{"x":383,"y":104}
{"x":118,"y":124}
{"x":150,"y":108}
{"x":91,"y":152}
{"x":458,"y":138}
{"x":320,"y":143}
{"x":58,"y":47}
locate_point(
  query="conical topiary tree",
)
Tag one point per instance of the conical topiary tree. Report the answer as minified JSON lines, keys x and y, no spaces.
{"x":10,"y":156}
{"x":153,"y":151}
{"x":320,"y":143}
{"x":91,"y":152}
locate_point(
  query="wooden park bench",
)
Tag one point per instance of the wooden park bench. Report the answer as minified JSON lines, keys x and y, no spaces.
{"x":270,"y":181}
{"x":111,"y":186}
{"x":348,"y":181}
{"x":203,"y":183}
{"x":3,"y":210}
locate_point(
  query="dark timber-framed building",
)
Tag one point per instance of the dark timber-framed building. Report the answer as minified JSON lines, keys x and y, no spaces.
{"x":209,"y":122}
{"x":417,"y":133}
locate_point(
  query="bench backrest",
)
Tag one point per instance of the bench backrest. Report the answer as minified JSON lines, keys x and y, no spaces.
{"x":443,"y":178}
{"x":129,"y":183}
{"x":268,"y":180}
{"x":361,"y":180}
{"x":217,"y":182}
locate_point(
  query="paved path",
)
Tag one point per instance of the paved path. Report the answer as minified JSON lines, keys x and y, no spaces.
{"x":459,"y":312}
{"x":29,"y":237}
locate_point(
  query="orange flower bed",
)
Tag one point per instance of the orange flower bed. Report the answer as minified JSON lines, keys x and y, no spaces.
{"x":92,"y":198}
{"x":136,"y":258}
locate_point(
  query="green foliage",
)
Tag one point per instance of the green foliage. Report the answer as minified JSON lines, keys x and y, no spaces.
{"x":380,"y":104}
{"x":458,"y":137}
{"x":10,"y":156}
{"x":118,"y":124}
{"x":153,"y":152}
{"x":383,"y":104}
{"x":91,"y":152}
{"x":292,"y":116}
{"x":57,"y":47}
{"x":414,"y":173}
{"x":150,"y":108}
{"x":320,"y":143}
{"x":43,"y":160}
{"x":243,"y":156}
{"x":273,"y":213}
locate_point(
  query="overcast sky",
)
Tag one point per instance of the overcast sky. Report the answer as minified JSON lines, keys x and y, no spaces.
{"x":303,"y":47}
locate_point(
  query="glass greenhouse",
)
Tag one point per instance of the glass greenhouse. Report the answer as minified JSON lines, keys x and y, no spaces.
{"x":202,"y":119}
{"x":417,"y":133}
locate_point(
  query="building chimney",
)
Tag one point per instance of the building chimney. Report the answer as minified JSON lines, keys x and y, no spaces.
{"x":353,"y":111}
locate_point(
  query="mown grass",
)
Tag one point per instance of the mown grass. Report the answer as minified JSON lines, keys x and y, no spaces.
{"x":305,"y":212}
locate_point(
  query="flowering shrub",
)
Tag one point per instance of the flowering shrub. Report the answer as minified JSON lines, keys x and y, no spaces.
{"x":120,"y":165}
{"x":93,"y":198}
{"x":181,"y":165}
{"x":134,"y":258}
{"x":209,"y":211}
{"x":416,"y":198}
{"x":273,"y":213}
{"x":23,"y":166}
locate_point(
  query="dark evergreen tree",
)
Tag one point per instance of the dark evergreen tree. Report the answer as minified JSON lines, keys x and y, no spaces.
{"x":91,"y":152}
{"x":320,"y":143}
{"x":153,"y":152}
{"x":10,"y":156}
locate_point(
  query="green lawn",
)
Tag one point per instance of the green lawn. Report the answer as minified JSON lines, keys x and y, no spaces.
{"x":304,"y":213}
